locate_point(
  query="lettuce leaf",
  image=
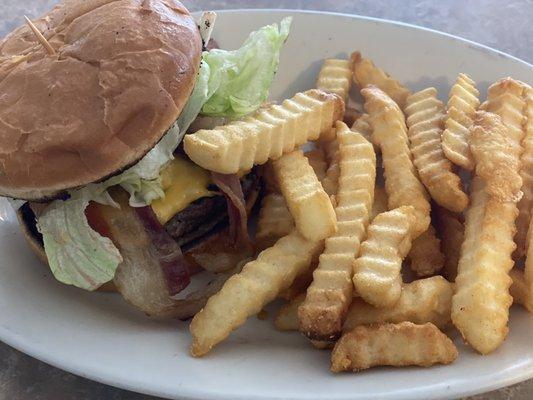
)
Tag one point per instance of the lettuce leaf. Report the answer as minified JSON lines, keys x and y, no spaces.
{"x":240,"y":79}
{"x":77,"y":254}
{"x":230,"y":84}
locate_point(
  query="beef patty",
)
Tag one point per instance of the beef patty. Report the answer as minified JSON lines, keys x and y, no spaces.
{"x":207,"y":214}
{"x":199,"y":219}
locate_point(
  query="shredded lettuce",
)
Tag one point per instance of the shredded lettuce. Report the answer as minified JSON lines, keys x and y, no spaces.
{"x":241,"y":78}
{"x":229,"y":84}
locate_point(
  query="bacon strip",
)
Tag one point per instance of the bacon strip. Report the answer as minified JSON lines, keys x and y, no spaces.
{"x":230,"y":186}
{"x":171,"y":259}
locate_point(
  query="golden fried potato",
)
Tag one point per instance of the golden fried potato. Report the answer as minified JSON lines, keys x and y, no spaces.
{"x":287,"y":320}
{"x":520,"y":291}
{"x":287,"y":317}
{"x":317,"y":161}
{"x":463,"y":102}
{"x":365,"y":73}
{"x":267,"y":134}
{"x":307,"y":201}
{"x":329,"y":296}
{"x":451,"y":230}
{"x":362,"y":125}
{"x":377,"y":277}
{"x":421,"y":301}
{"x":351,"y":115}
{"x":300,"y":284}
{"x":320,"y":345}
{"x":425,"y":257}
{"x":246,"y":293}
{"x":506,"y":98}
{"x":331,"y":147}
{"x":327,"y":136}
{"x":526,"y":172}
{"x":331,"y":180}
{"x":425,"y":120}
{"x":497,"y":157}
{"x":528,"y":270}
{"x":396,"y":345}
{"x":401,"y":179}
{"x":335,"y":76}
{"x":480,"y":305}
{"x":274,"y":222}
{"x":380,"y":202}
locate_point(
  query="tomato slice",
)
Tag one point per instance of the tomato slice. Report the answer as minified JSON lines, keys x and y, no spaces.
{"x":96,"y":220}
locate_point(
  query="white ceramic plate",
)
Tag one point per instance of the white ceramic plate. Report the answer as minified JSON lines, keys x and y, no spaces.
{"x":98,"y":336}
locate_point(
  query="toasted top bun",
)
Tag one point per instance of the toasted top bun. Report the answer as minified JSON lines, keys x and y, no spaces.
{"x":121,"y":74}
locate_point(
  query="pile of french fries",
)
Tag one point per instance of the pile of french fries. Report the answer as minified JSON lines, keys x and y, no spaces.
{"x":382,"y":272}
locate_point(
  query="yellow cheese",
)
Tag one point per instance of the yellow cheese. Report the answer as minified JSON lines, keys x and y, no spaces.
{"x":183,"y":183}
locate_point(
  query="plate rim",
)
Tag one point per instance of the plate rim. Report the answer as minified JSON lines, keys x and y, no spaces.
{"x":16,"y":340}
{"x":375,"y":19}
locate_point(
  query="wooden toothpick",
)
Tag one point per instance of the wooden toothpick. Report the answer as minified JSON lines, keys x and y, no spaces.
{"x":40,"y":37}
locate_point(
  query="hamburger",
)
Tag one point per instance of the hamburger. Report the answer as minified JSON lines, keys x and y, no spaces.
{"x":96,"y":98}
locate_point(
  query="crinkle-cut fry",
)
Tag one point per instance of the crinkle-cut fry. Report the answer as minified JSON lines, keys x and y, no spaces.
{"x":351,"y":115}
{"x":377,"y":277}
{"x":520,"y":292}
{"x":331,"y":180}
{"x":528,"y":268}
{"x":480,"y":305}
{"x":365,"y":73}
{"x":310,"y":206}
{"x":246,"y":293}
{"x":425,"y":120}
{"x":331,"y":148}
{"x":267,"y":134}
{"x":362,"y":125}
{"x":287,"y":317}
{"x":300,"y":283}
{"x":396,"y":345}
{"x":275,"y":220}
{"x":335,"y":76}
{"x":327,"y":136}
{"x":526,"y":172}
{"x":506,"y":97}
{"x":421,"y":301}
{"x":287,"y":320}
{"x":390,"y":134}
{"x":463,"y":102}
{"x":322,"y":345}
{"x":331,"y":292}
{"x":497,"y":157}
{"x":425,"y":257}
{"x":317,"y":161}
{"x":380,"y":202}
{"x":451,"y":231}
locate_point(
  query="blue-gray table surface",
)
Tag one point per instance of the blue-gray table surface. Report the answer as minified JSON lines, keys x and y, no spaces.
{"x":504,"y":25}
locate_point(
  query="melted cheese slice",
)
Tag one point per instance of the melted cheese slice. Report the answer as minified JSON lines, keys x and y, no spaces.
{"x":183,"y":183}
